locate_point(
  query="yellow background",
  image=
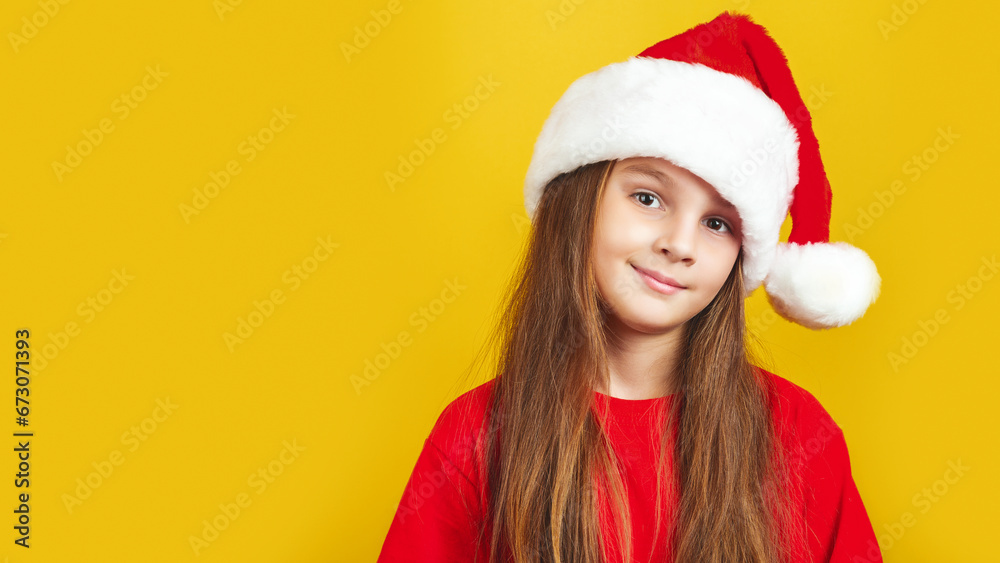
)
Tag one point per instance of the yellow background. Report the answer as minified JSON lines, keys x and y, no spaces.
{"x":459,"y":219}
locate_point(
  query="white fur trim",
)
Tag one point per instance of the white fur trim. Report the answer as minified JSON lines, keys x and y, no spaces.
{"x":717,"y":125}
{"x":822,"y":285}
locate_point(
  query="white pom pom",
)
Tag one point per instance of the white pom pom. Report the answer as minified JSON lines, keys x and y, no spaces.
{"x":822,"y":285}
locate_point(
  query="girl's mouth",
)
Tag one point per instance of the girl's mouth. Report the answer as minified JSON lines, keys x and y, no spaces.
{"x":659,"y":282}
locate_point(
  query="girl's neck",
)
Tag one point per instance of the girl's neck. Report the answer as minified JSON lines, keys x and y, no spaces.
{"x":641,"y":365}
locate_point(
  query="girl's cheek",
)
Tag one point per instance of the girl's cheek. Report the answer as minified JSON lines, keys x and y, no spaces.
{"x":614,"y":240}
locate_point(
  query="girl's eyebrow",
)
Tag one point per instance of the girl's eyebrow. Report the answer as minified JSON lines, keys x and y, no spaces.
{"x":650,"y":172}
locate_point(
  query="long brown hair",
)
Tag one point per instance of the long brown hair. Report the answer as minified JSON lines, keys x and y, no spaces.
{"x":548,"y":451}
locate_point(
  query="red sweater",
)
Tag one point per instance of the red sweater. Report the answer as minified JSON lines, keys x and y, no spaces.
{"x":442,"y":504}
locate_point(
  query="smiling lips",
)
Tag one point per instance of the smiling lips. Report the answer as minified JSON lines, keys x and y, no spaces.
{"x":659,"y":282}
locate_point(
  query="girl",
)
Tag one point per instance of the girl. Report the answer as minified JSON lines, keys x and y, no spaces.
{"x":628,"y":420}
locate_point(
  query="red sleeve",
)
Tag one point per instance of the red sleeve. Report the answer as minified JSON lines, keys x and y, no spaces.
{"x":439,"y":516}
{"x":840,"y":529}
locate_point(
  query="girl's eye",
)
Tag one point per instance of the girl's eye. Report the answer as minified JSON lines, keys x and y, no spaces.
{"x":645,"y":197}
{"x":713,"y":220}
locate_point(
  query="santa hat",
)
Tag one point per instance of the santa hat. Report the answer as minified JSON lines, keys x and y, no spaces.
{"x":720,"y":101}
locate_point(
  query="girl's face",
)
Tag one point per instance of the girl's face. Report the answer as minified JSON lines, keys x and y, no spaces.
{"x":665,"y":243}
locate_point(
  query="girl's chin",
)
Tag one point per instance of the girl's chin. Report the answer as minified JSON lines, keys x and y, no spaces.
{"x":648,"y":321}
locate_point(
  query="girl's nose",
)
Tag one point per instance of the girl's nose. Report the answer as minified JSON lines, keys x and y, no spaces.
{"x":677,"y":238}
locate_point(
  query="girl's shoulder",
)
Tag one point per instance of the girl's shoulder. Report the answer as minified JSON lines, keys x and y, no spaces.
{"x":460,"y":430}
{"x":791,"y":392}
{"x":468,"y":411}
{"x":799,"y":410}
